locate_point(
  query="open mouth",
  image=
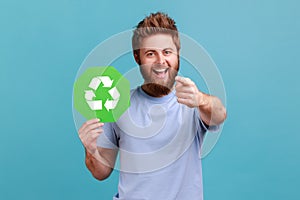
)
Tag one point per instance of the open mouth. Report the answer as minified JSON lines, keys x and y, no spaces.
{"x":161,"y":73}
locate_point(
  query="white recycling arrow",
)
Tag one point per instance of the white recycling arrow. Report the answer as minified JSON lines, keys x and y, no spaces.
{"x":89,"y":95}
{"x":95,"y":82}
{"x":106,"y":81}
{"x":97,"y":104}
{"x":114,"y":93}
{"x":111,"y":104}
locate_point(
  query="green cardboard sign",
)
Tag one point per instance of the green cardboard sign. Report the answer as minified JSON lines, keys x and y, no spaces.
{"x":102,"y":92}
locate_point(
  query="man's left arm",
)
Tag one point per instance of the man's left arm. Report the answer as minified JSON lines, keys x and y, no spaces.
{"x":212,"y":111}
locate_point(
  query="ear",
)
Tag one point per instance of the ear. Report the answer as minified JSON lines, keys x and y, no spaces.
{"x":136,"y":58}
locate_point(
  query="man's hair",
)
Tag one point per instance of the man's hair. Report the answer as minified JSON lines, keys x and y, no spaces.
{"x":153,"y":24}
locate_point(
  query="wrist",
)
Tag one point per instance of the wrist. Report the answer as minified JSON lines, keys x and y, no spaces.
{"x":92,"y":155}
{"x":202,"y":99}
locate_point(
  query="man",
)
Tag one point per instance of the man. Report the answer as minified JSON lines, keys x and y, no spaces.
{"x":160,"y":135}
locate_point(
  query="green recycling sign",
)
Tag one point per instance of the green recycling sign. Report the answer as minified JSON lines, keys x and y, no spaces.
{"x":101,"y":92}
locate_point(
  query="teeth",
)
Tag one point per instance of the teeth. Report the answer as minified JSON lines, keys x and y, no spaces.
{"x":160,"y":70}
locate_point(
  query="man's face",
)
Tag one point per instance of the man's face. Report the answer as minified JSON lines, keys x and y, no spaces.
{"x":159,"y":60}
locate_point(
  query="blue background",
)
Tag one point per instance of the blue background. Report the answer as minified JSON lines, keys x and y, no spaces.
{"x":254,"y":43}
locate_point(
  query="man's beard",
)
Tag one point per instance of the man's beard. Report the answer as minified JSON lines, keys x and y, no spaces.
{"x":156,"y":90}
{"x":160,"y":87}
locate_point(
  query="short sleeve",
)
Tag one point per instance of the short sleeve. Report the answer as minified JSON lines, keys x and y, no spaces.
{"x":109,"y":138}
{"x":202,"y":128}
{"x":205,"y":127}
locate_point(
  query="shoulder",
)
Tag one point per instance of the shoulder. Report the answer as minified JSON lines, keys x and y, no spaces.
{"x":134,"y":91}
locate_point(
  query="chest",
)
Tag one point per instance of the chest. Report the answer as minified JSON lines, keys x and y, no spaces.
{"x":146,"y":129}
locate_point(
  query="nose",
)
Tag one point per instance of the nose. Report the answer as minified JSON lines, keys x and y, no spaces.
{"x":161,"y":59}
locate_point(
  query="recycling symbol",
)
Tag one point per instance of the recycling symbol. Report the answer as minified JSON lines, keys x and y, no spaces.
{"x":101,"y":92}
{"x":97,"y":104}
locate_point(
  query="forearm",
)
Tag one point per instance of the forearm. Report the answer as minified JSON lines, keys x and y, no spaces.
{"x":97,"y":165}
{"x":211,"y":110}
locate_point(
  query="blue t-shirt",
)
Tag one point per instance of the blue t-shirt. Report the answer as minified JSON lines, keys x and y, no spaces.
{"x":159,"y":144}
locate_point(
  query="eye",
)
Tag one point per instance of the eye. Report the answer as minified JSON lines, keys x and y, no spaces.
{"x":149,"y":54}
{"x":167,"y":52}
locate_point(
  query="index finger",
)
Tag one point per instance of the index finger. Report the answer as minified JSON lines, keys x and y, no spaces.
{"x":91,"y":121}
{"x":182,"y":80}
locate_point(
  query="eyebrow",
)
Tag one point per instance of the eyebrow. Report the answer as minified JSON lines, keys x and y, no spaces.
{"x":169,"y":48}
{"x":149,"y":50}
{"x":154,"y":49}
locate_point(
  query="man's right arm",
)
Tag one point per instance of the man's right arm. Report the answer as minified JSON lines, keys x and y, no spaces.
{"x":100,"y":165}
{"x":99,"y":161}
